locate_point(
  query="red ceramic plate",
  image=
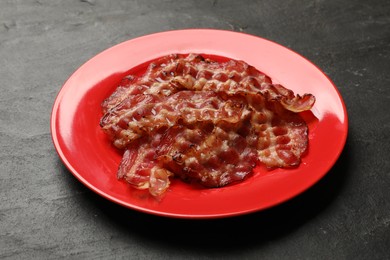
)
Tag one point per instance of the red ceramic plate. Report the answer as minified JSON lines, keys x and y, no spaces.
{"x":87,"y":152}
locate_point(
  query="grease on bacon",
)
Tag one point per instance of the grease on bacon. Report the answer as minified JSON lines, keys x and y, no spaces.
{"x":204,"y":121}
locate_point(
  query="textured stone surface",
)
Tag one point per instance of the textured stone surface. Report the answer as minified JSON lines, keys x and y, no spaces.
{"x":46,"y":213}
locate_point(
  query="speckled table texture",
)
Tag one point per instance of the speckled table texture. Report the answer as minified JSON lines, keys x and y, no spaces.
{"x":46,"y":213}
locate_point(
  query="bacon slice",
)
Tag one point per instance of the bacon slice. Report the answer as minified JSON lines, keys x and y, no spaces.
{"x":176,"y":72}
{"x":203,"y":121}
{"x":138,"y":115}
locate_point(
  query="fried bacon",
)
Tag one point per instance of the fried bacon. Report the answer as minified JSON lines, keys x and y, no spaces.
{"x":204,"y":121}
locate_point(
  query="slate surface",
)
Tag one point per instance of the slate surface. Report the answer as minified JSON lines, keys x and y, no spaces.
{"x":46,"y":213}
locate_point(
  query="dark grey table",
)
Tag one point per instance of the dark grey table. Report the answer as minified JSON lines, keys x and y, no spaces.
{"x":46,"y":213}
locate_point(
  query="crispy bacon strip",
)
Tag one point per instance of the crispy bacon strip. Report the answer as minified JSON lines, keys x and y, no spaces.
{"x":138,"y":115}
{"x":176,"y":72}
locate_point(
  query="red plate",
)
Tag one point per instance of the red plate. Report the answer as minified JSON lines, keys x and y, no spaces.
{"x":87,"y":153}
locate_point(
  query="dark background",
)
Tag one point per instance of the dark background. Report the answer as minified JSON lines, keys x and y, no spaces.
{"x":46,"y":213}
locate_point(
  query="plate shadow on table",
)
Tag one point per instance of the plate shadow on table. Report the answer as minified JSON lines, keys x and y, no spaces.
{"x":230,"y":234}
